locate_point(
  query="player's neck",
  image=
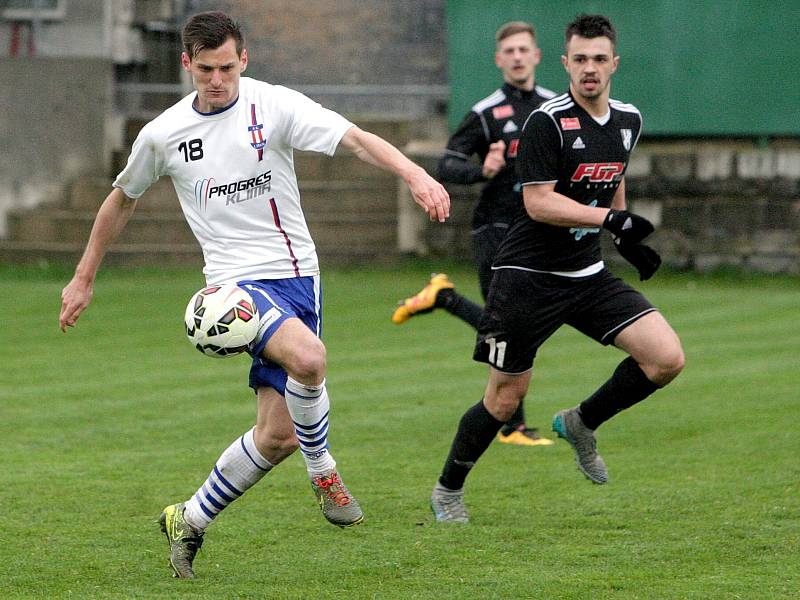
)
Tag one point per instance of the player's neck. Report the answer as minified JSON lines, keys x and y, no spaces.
{"x":207,"y":108}
{"x":596,"y":107}
{"x":525,"y":86}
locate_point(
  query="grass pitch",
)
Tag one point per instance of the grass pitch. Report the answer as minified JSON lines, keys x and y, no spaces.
{"x":104,"y":426}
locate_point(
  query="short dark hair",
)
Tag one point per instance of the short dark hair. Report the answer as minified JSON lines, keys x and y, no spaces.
{"x":209,"y":30}
{"x":513,"y":28}
{"x":591,"y":26}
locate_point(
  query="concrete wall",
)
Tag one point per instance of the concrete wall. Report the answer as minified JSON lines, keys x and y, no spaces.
{"x":54,"y":96}
{"x":345,"y":42}
{"x":81,"y":32}
{"x":52,"y":126}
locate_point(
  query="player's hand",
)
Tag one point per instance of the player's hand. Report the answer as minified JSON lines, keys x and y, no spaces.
{"x":495,"y":159}
{"x":643,"y":257}
{"x":628,"y":227}
{"x":74,"y":299}
{"x":429,"y":194}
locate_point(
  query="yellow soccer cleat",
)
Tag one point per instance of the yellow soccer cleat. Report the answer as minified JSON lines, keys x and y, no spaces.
{"x":184,"y":540}
{"x":524,"y":437}
{"x":424,"y":301}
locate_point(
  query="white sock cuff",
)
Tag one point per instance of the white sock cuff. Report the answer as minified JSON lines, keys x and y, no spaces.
{"x":303,"y":390}
{"x":249,"y":446}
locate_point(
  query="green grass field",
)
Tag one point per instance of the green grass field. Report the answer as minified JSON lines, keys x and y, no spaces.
{"x":102,"y":427}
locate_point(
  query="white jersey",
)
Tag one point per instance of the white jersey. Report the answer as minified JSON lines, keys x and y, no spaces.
{"x":233,"y":172}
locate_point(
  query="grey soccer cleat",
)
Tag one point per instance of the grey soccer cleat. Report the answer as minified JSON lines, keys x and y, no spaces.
{"x":336,"y":501}
{"x":184,"y":540}
{"x":568,"y":425}
{"x":448,"y":505}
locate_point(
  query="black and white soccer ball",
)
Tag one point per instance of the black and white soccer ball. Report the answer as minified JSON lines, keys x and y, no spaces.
{"x":221,"y":320}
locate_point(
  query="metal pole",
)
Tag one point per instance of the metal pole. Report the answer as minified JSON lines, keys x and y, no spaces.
{"x":36,"y":27}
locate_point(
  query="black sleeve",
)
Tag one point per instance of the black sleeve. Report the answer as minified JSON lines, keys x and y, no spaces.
{"x":539,"y":150}
{"x":457,"y":169}
{"x":469,"y":139}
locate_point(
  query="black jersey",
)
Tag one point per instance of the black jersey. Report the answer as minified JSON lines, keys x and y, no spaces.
{"x":499,"y":116}
{"x":562,"y":144}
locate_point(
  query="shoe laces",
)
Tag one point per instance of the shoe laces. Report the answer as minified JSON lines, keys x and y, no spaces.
{"x":585,"y":442}
{"x":452,"y":505}
{"x":531,"y":432}
{"x":191,"y":538}
{"x":334,"y":488}
{"x":190,"y":546}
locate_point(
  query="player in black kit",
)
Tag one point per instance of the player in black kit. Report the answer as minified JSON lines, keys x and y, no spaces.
{"x":490,"y":131}
{"x":549,"y":270}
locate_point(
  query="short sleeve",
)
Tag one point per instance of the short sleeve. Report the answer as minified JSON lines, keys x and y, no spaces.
{"x":311,"y":126}
{"x":143,"y":168}
{"x":539,"y":150}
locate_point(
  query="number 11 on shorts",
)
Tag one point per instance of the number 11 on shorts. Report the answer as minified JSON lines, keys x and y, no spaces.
{"x":497,"y":352}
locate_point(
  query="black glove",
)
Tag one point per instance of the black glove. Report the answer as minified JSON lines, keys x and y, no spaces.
{"x":628,"y":227}
{"x":643,"y":257}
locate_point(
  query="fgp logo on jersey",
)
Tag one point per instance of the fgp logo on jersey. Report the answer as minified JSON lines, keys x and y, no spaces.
{"x":598,"y":172}
{"x":257,"y":140}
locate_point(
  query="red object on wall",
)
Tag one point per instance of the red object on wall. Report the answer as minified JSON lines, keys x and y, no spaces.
{"x":16,"y":37}
{"x":13,"y":45}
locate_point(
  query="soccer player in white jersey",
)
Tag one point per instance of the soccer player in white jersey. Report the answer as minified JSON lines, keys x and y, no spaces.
{"x":228,"y":149}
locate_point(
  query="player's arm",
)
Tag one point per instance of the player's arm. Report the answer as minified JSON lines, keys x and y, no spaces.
{"x":618,"y":201}
{"x":426,"y":191}
{"x":545,"y":205}
{"x":471,"y":138}
{"x":111,"y":220}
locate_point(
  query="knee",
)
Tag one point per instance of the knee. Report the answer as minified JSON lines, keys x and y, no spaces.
{"x":668,"y":366}
{"x":503,"y":403}
{"x":308,"y":362}
{"x":275,"y":444}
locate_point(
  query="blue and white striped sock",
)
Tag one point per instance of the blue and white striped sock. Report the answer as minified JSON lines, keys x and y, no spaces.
{"x":308,"y":406}
{"x":238,"y":469}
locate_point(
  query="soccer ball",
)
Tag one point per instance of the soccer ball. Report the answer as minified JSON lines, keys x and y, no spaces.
{"x":221,"y":320}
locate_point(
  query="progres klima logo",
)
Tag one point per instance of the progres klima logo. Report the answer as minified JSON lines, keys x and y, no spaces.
{"x":234,"y":192}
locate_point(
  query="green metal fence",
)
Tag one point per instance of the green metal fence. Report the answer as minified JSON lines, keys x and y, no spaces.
{"x":703,"y":68}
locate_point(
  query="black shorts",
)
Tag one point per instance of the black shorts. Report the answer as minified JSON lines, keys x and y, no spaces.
{"x":485,"y":242}
{"x":526,"y":308}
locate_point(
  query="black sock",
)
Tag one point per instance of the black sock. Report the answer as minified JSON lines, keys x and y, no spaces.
{"x":627,"y":386}
{"x":459,"y":306}
{"x":476,"y":430}
{"x":516,"y":421}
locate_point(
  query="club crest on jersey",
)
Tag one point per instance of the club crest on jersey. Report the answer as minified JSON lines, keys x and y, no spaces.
{"x":513,"y":148}
{"x":627,"y":135}
{"x":569,"y":123}
{"x":256,"y":130}
{"x":506,"y":111}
